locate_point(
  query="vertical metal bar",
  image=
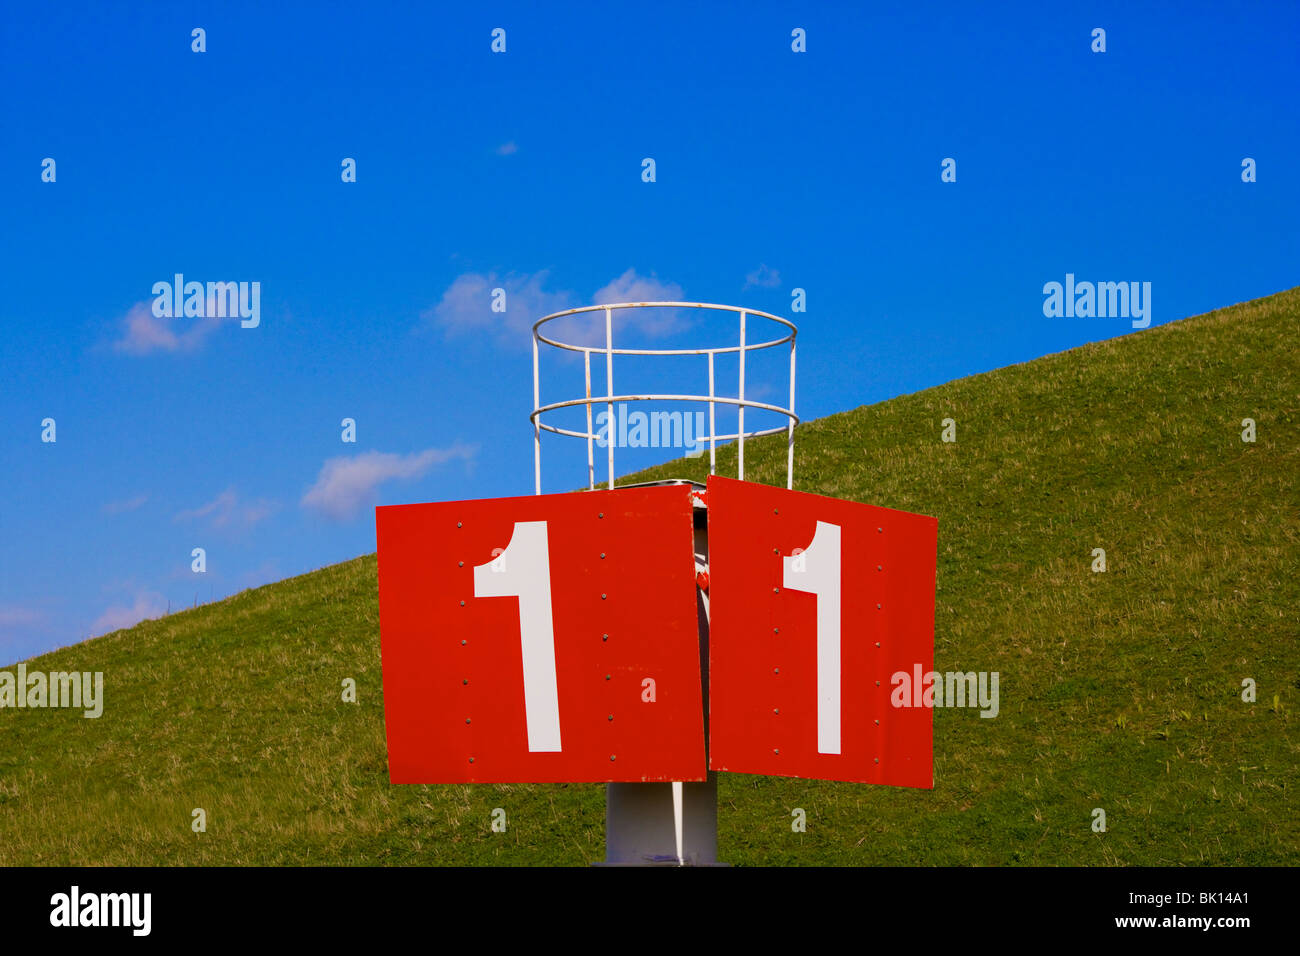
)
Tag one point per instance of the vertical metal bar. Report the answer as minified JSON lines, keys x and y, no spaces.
{"x":740,"y":431}
{"x":609,"y":386}
{"x":591,"y":460}
{"x":677,"y":820}
{"x":537,"y":429}
{"x":789,"y":461}
{"x":642,"y":819}
{"x":713,"y":430}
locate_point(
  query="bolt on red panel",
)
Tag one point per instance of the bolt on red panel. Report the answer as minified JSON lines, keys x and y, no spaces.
{"x":815,"y":604}
{"x":543,"y":638}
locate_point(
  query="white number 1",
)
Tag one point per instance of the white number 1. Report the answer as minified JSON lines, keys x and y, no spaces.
{"x":817,"y":571}
{"x":523,"y":570}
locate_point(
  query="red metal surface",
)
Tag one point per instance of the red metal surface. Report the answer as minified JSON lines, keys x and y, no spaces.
{"x":763,"y":653}
{"x":623,"y":604}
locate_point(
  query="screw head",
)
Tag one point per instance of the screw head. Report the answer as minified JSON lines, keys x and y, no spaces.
{"x":776,"y":670}
{"x":465,"y":681}
{"x":776,"y":710}
{"x":457,"y":524}
{"x":467,"y":720}
{"x":776,"y":630}
{"x":776,"y":511}
{"x":611,"y":756}
{"x":604,"y":637}
{"x":602,"y":597}
{"x":471,"y":759}
{"x":460,"y":564}
{"x":611,"y":716}
{"x":880,"y":567}
{"x":601,"y":515}
{"x":602,"y":555}
{"x":462,"y":643}
{"x":776,"y":750}
{"x":606,"y":677}
{"x":462,"y":603}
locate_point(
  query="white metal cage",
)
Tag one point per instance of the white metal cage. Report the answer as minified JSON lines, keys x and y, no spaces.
{"x":712,"y":398}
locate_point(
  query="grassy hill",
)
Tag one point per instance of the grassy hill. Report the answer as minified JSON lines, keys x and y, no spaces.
{"x":1119,"y":690}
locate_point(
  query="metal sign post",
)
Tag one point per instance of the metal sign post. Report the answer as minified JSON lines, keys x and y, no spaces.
{"x":675,"y":823}
{"x":572,"y":637}
{"x":655,"y":823}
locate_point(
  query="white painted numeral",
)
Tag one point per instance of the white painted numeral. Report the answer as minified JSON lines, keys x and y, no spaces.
{"x":523,"y":570}
{"x":816,"y":570}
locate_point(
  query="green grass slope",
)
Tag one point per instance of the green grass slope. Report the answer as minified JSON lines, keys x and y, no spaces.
{"x":1119,"y":690}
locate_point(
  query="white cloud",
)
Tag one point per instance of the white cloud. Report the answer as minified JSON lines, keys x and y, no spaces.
{"x":346,"y":485}
{"x":763,"y":277}
{"x":143,"y":332}
{"x":147,"y":605}
{"x":24,"y":632}
{"x":265,"y":573}
{"x":227,"y":511}
{"x":507,"y":149}
{"x":630,"y":287}
{"x":126,"y":504}
{"x":466,"y":306}
{"x":13,"y":616}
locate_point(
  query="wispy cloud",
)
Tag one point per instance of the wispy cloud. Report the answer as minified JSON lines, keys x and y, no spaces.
{"x":227,"y":511}
{"x":142,"y":332}
{"x":13,"y":617}
{"x":346,"y":485}
{"x":24,"y":631}
{"x":763,"y":277}
{"x":630,"y":287}
{"x":507,"y":149}
{"x":126,"y":504}
{"x":466,"y":307}
{"x":265,"y":573}
{"x":146,"y":606}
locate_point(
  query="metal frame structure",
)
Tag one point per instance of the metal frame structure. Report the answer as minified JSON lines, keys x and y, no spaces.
{"x":712,"y":399}
{"x":657,"y":822}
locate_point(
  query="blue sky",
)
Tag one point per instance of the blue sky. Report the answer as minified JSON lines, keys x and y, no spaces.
{"x":522,"y":170}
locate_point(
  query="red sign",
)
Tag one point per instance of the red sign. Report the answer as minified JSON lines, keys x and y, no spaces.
{"x":815,"y":605}
{"x":547,"y":638}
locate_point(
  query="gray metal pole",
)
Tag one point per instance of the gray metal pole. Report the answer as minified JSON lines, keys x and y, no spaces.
{"x":640,"y":819}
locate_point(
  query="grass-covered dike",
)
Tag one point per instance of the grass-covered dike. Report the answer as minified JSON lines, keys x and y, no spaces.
{"x":1119,"y":690}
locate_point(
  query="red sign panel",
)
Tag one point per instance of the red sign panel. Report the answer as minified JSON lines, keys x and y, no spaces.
{"x":548,"y":638}
{"x":815,"y":605}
